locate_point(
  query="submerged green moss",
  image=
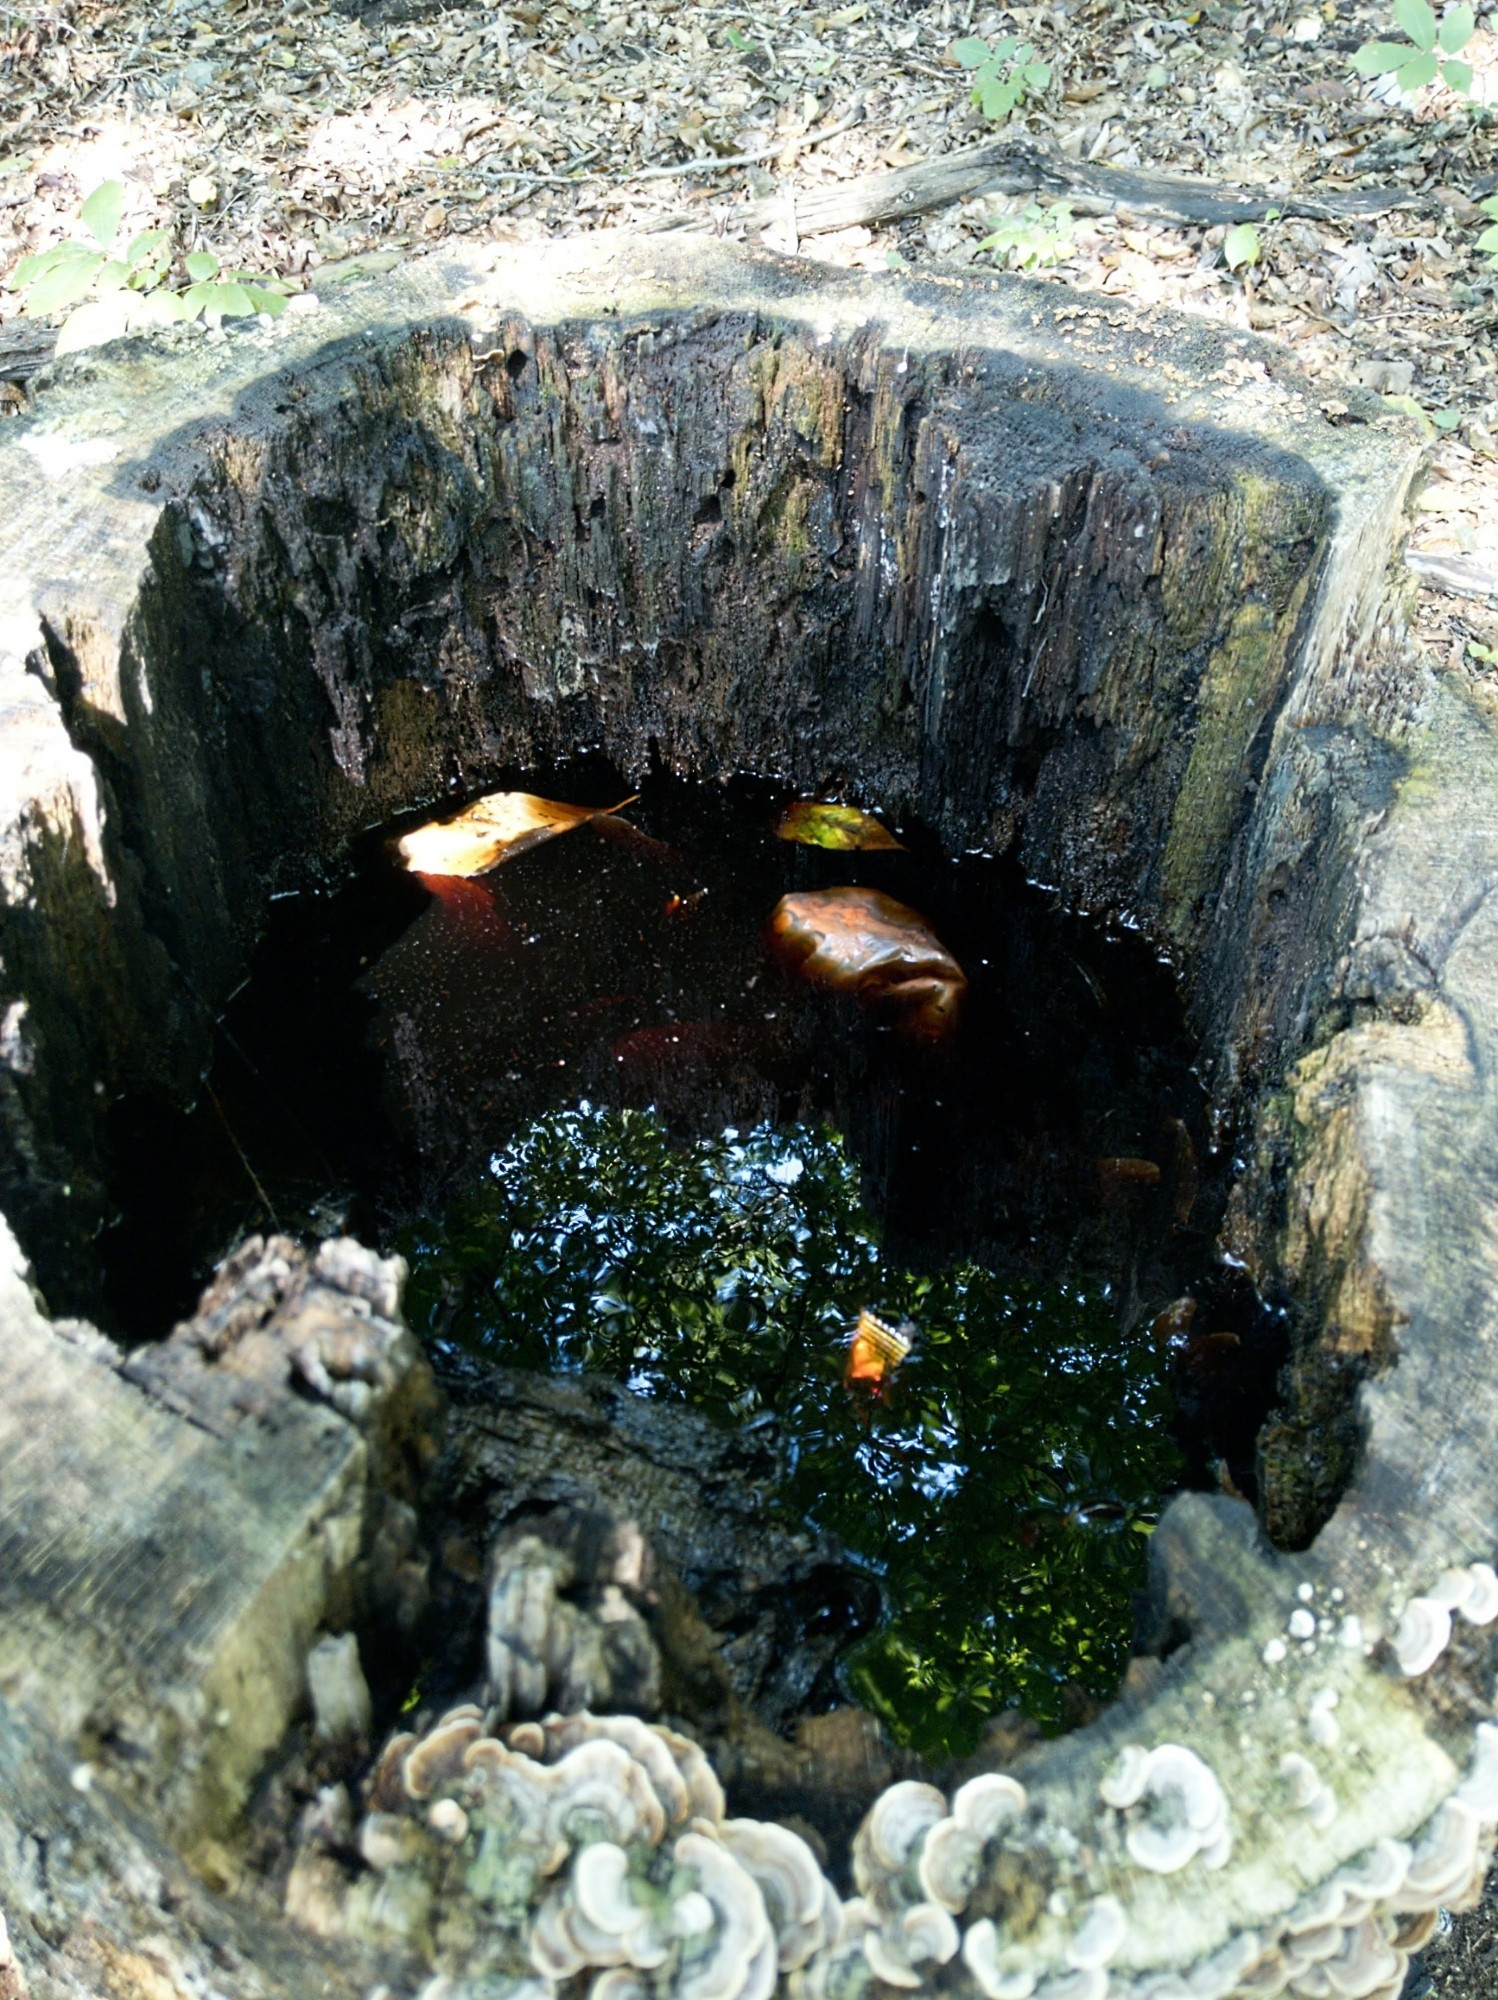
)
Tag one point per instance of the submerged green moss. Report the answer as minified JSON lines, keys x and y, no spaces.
{"x":1003,"y":1482}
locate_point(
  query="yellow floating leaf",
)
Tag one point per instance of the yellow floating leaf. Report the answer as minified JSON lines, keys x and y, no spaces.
{"x":493,"y":829}
{"x":876,"y":1348}
{"x":817,"y":823}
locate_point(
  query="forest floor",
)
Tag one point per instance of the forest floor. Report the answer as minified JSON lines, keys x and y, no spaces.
{"x":299,"y":141}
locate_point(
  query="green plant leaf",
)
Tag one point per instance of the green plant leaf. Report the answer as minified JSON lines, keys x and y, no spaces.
{"x":100,"y":214}
{"x":1417,"y":72}
{"x":1457,"y":25}
{"x":64,"y":285}
{"x":1408,"y":407}
{"x":1240,"y":246}
{"x":1380,"y":58}
{"x":143,"y":246}
{"x":93,"y":324}
{"x":1458,"y":77}
{"x":1005,"y":47}
{"x":1418,"y":20}
{"x":31,"y":268}
{"x":230,"y":299}
{"x":264,"y":300}
{"x":112,"y":275}
{"x":200,"y":265}
{"x":1446,"y":420}
{"x":1037,"y":75}
{"x":1488,"y":241}
{"x":998,"y":99}
{"x":969,"y":52}
{"x":737,"y":39}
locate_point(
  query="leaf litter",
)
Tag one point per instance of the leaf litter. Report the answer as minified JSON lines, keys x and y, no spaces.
{"x":315,"y":142}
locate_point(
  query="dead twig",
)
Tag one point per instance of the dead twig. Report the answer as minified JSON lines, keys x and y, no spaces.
{"x":1023,"y":166}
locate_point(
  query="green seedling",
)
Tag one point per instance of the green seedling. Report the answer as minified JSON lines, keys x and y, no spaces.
{"x":107,"y":292}
{"x":1033,"y":239}
{"x":1005,"y":73}
{"x":1430,"y":51}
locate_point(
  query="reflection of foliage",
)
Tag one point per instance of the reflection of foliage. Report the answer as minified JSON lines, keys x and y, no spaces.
{"x":1004,"y":1485}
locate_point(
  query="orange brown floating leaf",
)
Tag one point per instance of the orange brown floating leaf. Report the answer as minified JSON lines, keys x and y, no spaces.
{"x":863,"y":942}
{"x":820,"y":823}
{"x":1127,"y":1172}
{"x":493,"y":829}
{"x":876,"y":1348}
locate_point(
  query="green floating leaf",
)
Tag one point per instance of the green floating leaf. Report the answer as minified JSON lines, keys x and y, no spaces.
{"x":1380,"y":58}
{"x":969,"y":52}
{"x":1418,"y":20}
{"x":100,"y":214}
{"x":1417,"y":73}
{"x":200,"y":265}
{"x":63,"y":285}
{"x":1457,"y":26}
{"x":1240,"y":246}
{"x":1458,"y":77}
{"x":818,"y":823}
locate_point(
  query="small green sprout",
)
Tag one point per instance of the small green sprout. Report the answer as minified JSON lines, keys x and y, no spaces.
{"x":1005,"y":73}
{"x":105,"y":294}
{"x":1033,"y":239}
{"x":1429,"y":52}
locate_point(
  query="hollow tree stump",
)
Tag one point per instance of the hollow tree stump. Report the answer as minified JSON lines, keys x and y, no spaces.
{"x":1049,"y":572}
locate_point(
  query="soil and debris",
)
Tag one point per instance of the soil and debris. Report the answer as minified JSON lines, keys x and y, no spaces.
{"x":307,"y":141}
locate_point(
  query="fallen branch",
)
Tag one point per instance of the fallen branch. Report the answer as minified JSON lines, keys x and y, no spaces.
{"x":1022,"y":166}
{"x":1458,"y":576}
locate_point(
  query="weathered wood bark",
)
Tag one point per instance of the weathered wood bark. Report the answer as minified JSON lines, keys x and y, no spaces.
{"x":1043,"y":570}
{"x":1029,"y":567}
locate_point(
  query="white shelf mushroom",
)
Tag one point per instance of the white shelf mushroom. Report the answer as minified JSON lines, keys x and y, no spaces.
{"x":1004,"y":1972}
{"x":1480,"y":1607}
{"x":1174,"y":1808}
{"x":951,"y":1856}
{"x":1421,"y":1636}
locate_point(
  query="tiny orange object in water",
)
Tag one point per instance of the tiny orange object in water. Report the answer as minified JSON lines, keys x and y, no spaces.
{"x":876,"y":1349}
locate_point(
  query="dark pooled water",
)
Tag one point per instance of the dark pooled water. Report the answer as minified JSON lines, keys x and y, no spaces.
{"x":609,"y":1131}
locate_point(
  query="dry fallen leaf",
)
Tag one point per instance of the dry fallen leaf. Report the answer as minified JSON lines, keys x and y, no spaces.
{"x":493,"y":829}
{"x":818,"y":823}
{"x":863,"y":942}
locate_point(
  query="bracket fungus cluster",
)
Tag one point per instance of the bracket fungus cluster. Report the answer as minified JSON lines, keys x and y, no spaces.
{"x":585,"y":1854}
{"x":564,"y":1622}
